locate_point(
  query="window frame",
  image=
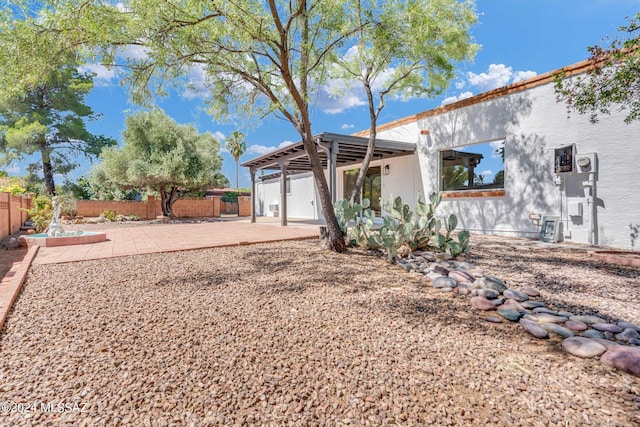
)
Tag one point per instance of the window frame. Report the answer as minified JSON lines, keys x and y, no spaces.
{"x":483,"y":190}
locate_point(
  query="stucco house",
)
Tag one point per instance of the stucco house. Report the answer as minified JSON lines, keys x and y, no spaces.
{"x":510,"y":161}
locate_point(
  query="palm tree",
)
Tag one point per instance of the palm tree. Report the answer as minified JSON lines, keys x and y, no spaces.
{"x":236,"y":145}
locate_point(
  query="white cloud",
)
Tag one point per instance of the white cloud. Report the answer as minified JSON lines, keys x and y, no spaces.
{"x":196,"y":82}
{"x":133,"y":52}
{"x":338,"y":95}
{"x":13,"y":169}
{"x":497,"y":75}
{"x":495,"y":147}
{"x":103,"y":74}
{"x":486,"y":172}
{"x":347,"y":126}
{"x":523,"y":75}
{"x":219,"y":136}
{"x":261,"y":150}
{"x":451,"y":99}
{"x":285,"y":144}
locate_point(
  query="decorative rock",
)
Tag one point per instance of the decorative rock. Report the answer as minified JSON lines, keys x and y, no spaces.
{"x":549,"y":318}
{"x":532,"y":304}
{"x":557,"y":329}
{"x":481,"y":303}
{"x":516,"y":295}
{"x":463,"y":291}
{"x":634,"y":341}
{"x":565,"y":313}
{"x":489,"y":293}
{"x":513,"y":305}
{"x":544,"y":310}
{"x":443,"y":256}
{"x":491,"y":282}
{"x":531,"y":291}
{"x":493,"y":319}
{"x":429,"y":256}
{"x":510,"y":314}
{"x":530,"y":317}
{"x":426,"y":278}
{"x":588,"y":319}
{"x":583,"y":347}
{"x":606,"y":343}
{"x":576,"y":326}
{"x":461,"y":265}
{"x":441,"y":270}
{"x":497,"y":301}
{"x":628,"y":334}
{"x":533,"y":328}
{"x":623,"y":358}
{"x":627,"y":325}
{"x":432,"y":276}
{"x":461,"y":276}
{"x":607,"y":327}
{"x":406,"y":265}
{"x":444,"y":282}
{"x":465,"y":285}
{"x":592,"y":333}
{"x":446,"y":289}
{"x":476,"y":272}
{"x":609,"y":336}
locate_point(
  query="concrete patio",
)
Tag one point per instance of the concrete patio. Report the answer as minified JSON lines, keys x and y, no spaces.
{"x":145,"y":239}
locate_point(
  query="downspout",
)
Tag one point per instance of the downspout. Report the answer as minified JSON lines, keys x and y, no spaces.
{"x":591,"y":205}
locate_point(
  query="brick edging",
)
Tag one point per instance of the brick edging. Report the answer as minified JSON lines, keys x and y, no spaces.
{"x":12,"y":283}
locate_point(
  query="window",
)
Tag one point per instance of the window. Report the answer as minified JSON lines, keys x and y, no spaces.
{"x":371,"y":187}
{"x":473,"y":167}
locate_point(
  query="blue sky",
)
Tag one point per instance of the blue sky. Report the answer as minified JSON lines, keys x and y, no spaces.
{"x":518,"y":38}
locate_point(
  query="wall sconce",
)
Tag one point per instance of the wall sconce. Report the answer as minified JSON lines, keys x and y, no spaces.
{"x":386,"y":169}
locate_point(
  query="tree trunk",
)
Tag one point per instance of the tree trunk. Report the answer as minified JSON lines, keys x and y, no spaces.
{"x":335,"y":237}
{"x":371,"y":144}
{"x":47,"y":170}
{"x":166,"y":202}
{"x":237,"y":159}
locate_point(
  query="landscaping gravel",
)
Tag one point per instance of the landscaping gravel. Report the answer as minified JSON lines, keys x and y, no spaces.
{"x":288,"y":333}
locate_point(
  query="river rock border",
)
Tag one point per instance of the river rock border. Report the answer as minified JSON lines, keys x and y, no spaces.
{"x":616,"y":343}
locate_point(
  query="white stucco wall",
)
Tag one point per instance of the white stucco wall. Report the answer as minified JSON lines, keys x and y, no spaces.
{"x":533,"y":124}
{"x":403,"y":179}
{"x":302,"y":201}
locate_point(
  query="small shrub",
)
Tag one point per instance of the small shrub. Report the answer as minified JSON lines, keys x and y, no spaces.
{"x":41,"y":212}
{"x":109,"y":214}
{"x":14,"y":188}
{"x":68,"y":204}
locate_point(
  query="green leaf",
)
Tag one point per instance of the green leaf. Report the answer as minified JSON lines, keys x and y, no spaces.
{"x":453,"y":222}
{"x":366,"y":203}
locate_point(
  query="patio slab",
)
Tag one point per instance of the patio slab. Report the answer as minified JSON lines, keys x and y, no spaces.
{"x":146,"y":239}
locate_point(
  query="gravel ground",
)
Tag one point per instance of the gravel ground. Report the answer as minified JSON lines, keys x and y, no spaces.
{"x":287,"y":333}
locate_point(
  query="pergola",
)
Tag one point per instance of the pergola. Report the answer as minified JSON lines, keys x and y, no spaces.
{"x":334,"y":150}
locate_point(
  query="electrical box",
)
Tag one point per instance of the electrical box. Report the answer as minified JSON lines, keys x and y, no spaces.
{"x":564,"y":159}
{"x":550,"y":230}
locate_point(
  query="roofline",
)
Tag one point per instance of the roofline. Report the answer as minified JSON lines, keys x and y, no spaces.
{"x":327,"y":137}
{"x":539,"y":80}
